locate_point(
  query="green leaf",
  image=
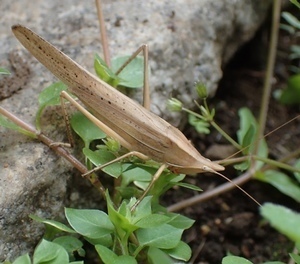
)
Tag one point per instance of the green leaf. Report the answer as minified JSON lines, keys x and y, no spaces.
{"x":164,"y":236}
{"x":132,"y":76}
{"x":180,"y":221}
{"x":201,"y":126}
{"x":109,"y":257}
{"x":182,"y":251}
{"x":156,"y":255}
{"x":295,"y":257}
{"x":104,"y":73}
{"x":57,"y":225}
{"x":89,"y":223}
{"x":102,"y":156}
{"x":295,"y":2}
{"x":235,"y":260}
{"x":190,"y":186}
{"x":292,"y":20}
{"x":152,"y":220}
{"x":4,"y":71}
{"x":10,"y":125}
{"x":291,"y":94}
{"x":247,"y":134}
{"x":143,"y":210}
{"x":122,"y":223}
{"x":283,"y":219}
{"x":291,"y":30}
{"x":48,"y":97}
{"x":25,"y":259}
{"x":50,"y":253}
{"x":106,"y":255}
{"x":132,"y":173}
{"x":248,"y":126}
{"x":242,"y":166}
{"x":281,"y":182}
{"x":295,"y":49}
{"x":297,"y":174}
{"x":85,"y":128}
{"x":71,"y":245}
{"x":105,"y":240}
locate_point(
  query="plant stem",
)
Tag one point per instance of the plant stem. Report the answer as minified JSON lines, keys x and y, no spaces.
{"x":56,"y":148}
{"x":212,"y":193}
{"x":224,"y":187}
{"x":215,"y":125}
{"x":225,"y":135}
{"x":269,"y":73}
{"x":103,"y":34}
{"x":277,"y":164}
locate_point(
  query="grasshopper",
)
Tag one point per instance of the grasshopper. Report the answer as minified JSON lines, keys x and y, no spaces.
{"x":143,"y":133}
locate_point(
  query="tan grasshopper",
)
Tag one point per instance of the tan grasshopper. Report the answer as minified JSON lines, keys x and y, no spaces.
{"x":135,"y":127}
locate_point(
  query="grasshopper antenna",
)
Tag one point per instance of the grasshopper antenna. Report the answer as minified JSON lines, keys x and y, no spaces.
{"x":237,"y":186}
{"x":266,"y":135}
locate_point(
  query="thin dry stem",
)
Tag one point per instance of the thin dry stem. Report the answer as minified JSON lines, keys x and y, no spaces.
{"x":103,"y":34}
{"x":212,"y":193}
{"x":269,"y":72}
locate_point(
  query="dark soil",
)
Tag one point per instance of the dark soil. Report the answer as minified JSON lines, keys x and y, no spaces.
{"x":231,"y":222}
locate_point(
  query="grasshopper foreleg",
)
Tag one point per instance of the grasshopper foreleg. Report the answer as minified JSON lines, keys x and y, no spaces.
{"x":129,"y":154}
{"x":154,"y":179}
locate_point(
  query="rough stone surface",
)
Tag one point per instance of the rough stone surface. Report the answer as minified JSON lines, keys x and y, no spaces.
{"x":188,"y":41}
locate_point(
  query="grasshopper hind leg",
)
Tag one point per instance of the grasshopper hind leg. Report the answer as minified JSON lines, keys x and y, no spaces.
{"x":146,"y":90}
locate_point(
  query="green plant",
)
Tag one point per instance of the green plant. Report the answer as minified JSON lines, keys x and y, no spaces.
{"x":290,"y":95}
{"x":286,"y":222}
{"x":122,"y":234}
{"x":126,"y":233}
{"x":4,"y":71}
{"x":246,"y":135}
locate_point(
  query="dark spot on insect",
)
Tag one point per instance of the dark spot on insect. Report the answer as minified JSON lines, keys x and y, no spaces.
{"x":40,"y":47}
{"x":123,"y":109}
{"x":76,"y":75}
{"x":109,"y":102}
{"x":101,"y":98}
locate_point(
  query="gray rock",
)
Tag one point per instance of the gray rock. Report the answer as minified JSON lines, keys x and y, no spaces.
{"x":188,"y":41}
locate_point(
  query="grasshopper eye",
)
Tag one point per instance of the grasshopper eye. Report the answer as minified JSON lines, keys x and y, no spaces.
{"x":205,"y":168}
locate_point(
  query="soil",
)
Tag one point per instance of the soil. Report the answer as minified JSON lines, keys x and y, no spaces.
{"x":231,"y":223}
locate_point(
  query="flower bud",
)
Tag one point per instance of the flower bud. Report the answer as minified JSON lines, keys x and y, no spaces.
{"x":201,"y":90}
{"x":112,"y":144}
{"x":174,"y":105}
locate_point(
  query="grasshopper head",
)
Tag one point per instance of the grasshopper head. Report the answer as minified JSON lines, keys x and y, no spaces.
{"x":205,"y":165}
{"x":183,"y":157}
